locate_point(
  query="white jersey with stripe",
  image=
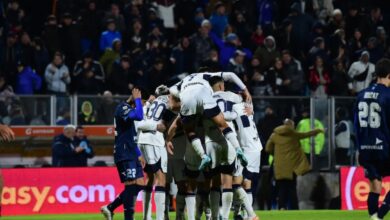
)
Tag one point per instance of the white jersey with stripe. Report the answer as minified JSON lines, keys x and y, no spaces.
{"x":246,"y":130}
{"x":196,"y":80}
{"x":153,"y":115}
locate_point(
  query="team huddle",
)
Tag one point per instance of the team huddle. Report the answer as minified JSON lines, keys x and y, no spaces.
{"x":196,"y":133}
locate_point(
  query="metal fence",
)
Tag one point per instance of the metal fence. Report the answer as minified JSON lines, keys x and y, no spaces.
{"x":99,"y":110}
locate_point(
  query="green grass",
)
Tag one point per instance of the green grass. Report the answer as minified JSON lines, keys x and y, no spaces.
{"x":264,"y":215}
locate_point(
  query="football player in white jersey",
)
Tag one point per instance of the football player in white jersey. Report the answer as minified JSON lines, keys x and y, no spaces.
{"x":233,"y":108}
{"x":152,"y":144}
{"x":196,"y":96}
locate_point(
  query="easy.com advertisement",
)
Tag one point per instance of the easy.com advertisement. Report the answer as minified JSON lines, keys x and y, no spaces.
{"x":59,"y":190}
{"x":355,"y":188}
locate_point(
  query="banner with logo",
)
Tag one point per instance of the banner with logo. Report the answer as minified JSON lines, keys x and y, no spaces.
{"x":50,"y":131}
{"x":355,"y":188}
{"x":60,"y":190}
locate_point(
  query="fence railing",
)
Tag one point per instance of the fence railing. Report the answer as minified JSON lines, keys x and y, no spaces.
{"x":308,"y":112}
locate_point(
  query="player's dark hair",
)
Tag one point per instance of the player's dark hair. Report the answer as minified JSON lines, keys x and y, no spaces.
{"x":214,"y":80}
{"x":382,"y":68}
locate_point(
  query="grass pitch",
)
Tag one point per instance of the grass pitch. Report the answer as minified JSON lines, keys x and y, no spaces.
{"x":264,"y":215}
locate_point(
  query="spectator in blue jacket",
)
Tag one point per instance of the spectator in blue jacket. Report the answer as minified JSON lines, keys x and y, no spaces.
{"x":64,"y":152}
{"x":219,"y":19}
{"x":228,"y":48}
{"x":27,"y":81}
{"x":80,"y":140}
{"x":108,"y":36}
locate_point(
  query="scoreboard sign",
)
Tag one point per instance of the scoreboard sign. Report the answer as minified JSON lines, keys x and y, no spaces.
{"x":60,"y":190}
{"x":355,"y":188}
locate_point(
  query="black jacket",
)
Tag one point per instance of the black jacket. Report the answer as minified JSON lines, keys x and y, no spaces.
{"x":64,"y":154}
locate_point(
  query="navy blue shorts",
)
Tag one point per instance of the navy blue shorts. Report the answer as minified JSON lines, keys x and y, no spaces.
{"x":376,"y":170}
{"x":129,"y":170}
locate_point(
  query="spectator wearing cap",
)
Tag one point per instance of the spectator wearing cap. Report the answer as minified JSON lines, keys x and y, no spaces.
{"x":267,"y":53}
{"x":107,"y":37}
{"x":57,"y":75}
{"x":70,"y":36}
{"x":199,"y":16}
{"x":153,"y":19}
{"x":88,"y":75}
{"x":202,"y":43}
{"x":228,"y":47}
{"x":182,"y":57}
{"x":219,"y":19}
{"x":336,"y":21}
{"x":115,"y":15}
{"x":361,"y":72}
{"x":123,"y":78}
{"x":28,"y":81}
{"x":236,"y":65}
{"x":80,"y":140}
{"x":64,"y":152}
{"x":51,"y":35}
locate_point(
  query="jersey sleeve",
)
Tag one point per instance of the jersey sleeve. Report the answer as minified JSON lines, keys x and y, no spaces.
{"x":127,"y":113}
{"x":233,"y":78}
{"x":147,"y":125}
{"x":230,"y":115}
{"x":175,"y":89}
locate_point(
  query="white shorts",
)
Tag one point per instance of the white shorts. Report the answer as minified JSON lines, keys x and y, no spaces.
{"x":156,"y":158}
{"x":196,"y":101}
{"x":221,"y":152}
{"x":253,"y":167}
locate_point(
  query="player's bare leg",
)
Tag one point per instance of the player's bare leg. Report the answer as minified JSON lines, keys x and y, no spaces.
{"x":147,"y":195}
{"x":219,"y":120}
{"x":160,"y":194}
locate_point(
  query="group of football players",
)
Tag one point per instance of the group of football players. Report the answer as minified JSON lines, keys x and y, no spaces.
{"x":196,"y":133}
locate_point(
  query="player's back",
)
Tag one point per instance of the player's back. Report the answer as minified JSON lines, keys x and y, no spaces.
{"x":246,"y":130}
{"x":154,"y":113}
{"x":372,"y":114}
{"x":125,"y":134}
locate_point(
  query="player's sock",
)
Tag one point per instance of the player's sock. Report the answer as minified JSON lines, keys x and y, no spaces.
{"x":384,"y":209}
{"x":243,"y":199}
{"x":180,"y":205}
{"x":159,"y":199}
{"x":197,"y":145}
{"x":146,"y":202}
{"x":129,"y":198}
{"x":250,"y":200}
{"x":236,"y":203}
{"x":215,"y":196}
{"x":116,"y":203}
{"x":191,"y":205}
{"x":231,"y":137}
{"x":372,"y":203}
{"x":227,"y":199}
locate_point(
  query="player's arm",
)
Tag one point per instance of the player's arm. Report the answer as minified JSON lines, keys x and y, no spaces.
{"x":6,"y":133}
{"x":233,"y":78}
{"x":175,"y":89}
{"x":137,"y":113}
{"x":303,"y":135}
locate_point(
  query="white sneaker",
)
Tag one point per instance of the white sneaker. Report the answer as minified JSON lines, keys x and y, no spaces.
{"x":108,"y":215}
{"x":375,"y":217}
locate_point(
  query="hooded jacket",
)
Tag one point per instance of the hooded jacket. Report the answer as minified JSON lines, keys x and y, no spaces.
{"x":289,"y":157}
{"x":266,"y":55}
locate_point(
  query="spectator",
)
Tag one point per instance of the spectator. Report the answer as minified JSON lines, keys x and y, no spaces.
{"x":267,"y":14}
{"x":375,"y":50}
{"x":199,"y":16}
{"x":375,"y":20}
{"x":319,"y":79}
{"x":115,"y":15}
{"x":70,"y":36}
{"x":41,"y":56}
{"x":382,"y":37}
{"x":51,"y":35}
{"x":336,"y":21}
{"x":14,"y":14}
{"x":156,"y":35}
{"x":107,"y":37}
{"x":318,"y":50}
{"x":275,"y":76}
{"x":355,"y":44}
{"x":353,"y":21}
{"x":202,"y":43}
{"x":212,"y":62}
{"x":236,"y":65}
{"x":80,"y":140}
{"x":17,"y":116}
{"x":64,"y":153}
{"x":267,"y":53}
{"x":219,"y":19}
{"x":106,"y":109}
{"x":154,"y":77}
{"x":87,"y":114}
{"x":6,"y":92}
{"x":258,"y":37}
{"x":294,"y":80}
{"x":361,"y":72}
{"x":343,"y":138}
{"x":89,"y":75}
{"x":182,"y":57}
{"x":135,"y":40}
{"x":28,"y":81}
{"x":153,"y":20}
{"x":10,"y":55}
{"x":90,"y":28}
{"x":242,"y":29}
{"x":284,"y":35}
{"x":26,"y":49}
{"x":57,"y":75}
{"x":123,"y":79}
{"x":340,"y":83}
{"x":63,"y":117}
{"x":110,"y":56}
{"x":289,"y":161}
{"x":227,"y":48}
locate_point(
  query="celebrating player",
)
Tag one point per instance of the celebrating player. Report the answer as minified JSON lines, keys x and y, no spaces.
{"x":372,"y":119}
{"x":195,"y":94}
{"x":127,"y":156}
